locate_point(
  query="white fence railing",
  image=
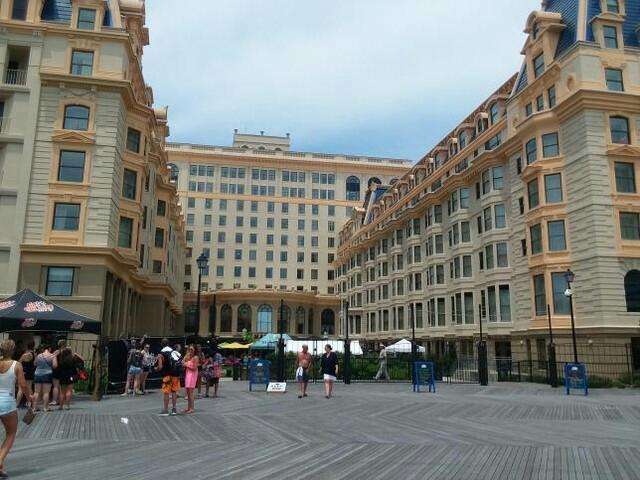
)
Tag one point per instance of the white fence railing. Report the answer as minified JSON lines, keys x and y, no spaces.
{"x":15,"y":77}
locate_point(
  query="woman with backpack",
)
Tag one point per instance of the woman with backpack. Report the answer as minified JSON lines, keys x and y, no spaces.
{"x":134,"y":370}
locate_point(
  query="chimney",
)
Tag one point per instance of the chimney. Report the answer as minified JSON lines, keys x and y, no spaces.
{"x":235,"y":130}
{"x":262,"y":132}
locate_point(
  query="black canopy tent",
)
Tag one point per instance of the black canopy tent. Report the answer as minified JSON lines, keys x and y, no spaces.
{"x":27,"y":311}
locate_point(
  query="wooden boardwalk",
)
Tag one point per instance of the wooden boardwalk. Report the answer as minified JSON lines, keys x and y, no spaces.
{"x":504,"y":431}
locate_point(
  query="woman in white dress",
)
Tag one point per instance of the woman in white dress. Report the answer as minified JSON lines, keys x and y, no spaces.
{"x":10,"y":371}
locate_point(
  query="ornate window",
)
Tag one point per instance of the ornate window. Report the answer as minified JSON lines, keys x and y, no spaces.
{"x":76,"y":117}
{"x":265,"y":319}
{"x":226,"y":314}
{"x":328,"y":322}
{"x":244,"y":318}
{"x":353,"y":188}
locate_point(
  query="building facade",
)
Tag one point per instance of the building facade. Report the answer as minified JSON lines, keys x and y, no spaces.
{"x":92,"y":219}
{"x":268,"y":218}
{"x":539,"y":179}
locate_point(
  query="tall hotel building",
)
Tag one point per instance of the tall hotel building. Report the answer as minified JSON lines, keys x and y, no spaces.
{"x":268,"y":219}
{"x":89,"y":216}
{"x":540,"y":178}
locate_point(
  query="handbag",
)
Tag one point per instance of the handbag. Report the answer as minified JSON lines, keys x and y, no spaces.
{"x":29,"y":416}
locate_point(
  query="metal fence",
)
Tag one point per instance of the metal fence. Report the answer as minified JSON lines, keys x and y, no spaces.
{"x":608,"y":365}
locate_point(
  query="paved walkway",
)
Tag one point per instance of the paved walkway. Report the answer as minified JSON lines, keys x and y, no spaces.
{"x":505,"y":431}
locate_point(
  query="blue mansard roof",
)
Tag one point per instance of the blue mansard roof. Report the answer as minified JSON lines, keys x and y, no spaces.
{"x":60,"y":11}
{"x":571,"y":18}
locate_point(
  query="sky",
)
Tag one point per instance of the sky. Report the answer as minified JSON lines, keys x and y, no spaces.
{"x":383,"y":78}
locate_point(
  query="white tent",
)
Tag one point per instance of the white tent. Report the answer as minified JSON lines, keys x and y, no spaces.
{"x":317,"y":346}
{"x":403,"y":346}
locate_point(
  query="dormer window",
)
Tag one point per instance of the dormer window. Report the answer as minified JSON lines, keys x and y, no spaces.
{"x":86,"y":19}
{"x":538,"y":65}
{"x":613,"y":6}
{"x":610,"y":35}
{"x":493,"y":113}
{"x":463,"y":140}
{"x":534,"y":31}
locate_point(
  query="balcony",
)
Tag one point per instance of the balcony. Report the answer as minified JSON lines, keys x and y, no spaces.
{"x":15,"y":77}
{"x":5,"y":125}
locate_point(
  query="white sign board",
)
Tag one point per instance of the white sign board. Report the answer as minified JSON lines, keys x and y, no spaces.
{"x":277,"y":387}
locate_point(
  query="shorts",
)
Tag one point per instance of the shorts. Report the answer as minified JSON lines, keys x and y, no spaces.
{"x":214,"y":380}
{"x":67,"y":380}
{"x":328,"y":377}
{"x":135,"y":370}
{"x":305,"y":376}
{"x":170,"y":384}
{"x":44,"y":378}
{"x":7,"y":405}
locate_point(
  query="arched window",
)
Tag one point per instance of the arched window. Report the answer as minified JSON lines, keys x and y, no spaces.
{"x":393,"y":181}
{"x":76,"y":117}
{"x":310,"y":328}
{"x":261,"y":148}
{"x":244,"y":318}
{"x":226,"y":313}
{"x":373,"y":180}
{"x":265,"y":319}
{"x":620,"y":130}
{"x":328,"y":322}
{"x":245,"y":146}
{"x":353,"y":188}
{"x":173,"y":173}
{"x":300,"y":321}
{"x":632,"y":290}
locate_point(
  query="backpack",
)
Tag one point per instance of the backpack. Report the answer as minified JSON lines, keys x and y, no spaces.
{"x":172,"y":366}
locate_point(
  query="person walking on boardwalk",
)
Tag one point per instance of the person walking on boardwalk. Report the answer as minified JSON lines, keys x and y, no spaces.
{"x":134,"y":370}
{"x":27,"y":359}
{"x":191,"y":363}
{"x":329,"y":366}
{"x":383,"y":371}
{"x":169,"y":365}
{"x":148,"y":362}
{"x":43,"y":377}
{"x":302,"y":373}
{"x":10,"y":372}
{"x":67,"y":362}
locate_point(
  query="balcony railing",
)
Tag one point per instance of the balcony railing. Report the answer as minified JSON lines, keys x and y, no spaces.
{"x":15,"y":77}
{"x":5,"y":124}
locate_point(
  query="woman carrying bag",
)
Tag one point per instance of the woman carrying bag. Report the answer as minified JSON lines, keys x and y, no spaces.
{"x":329,"y":370}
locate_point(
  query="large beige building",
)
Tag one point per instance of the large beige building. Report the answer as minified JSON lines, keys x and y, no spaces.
{"x":89,"y":216}
{"x":268,"y":220}
{"x":540,"y":178}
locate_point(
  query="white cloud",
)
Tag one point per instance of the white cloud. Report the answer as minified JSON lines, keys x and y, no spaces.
{"x":379,"y":77}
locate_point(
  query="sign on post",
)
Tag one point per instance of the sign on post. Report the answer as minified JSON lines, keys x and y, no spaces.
{"x":424,"y":373}
{"x":575,"y":378}
{"x":259,"y":371}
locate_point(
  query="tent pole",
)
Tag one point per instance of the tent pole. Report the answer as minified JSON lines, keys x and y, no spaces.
{"x":97,"y":370}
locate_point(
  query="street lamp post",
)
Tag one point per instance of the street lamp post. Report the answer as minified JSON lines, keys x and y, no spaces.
{"x":347,"y":346}
{"x":414,"y":347}
{"x":483,"y":361}
{"x":569,"y":276}
{"x":202,"y":263}
{"x":281,"y":344}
